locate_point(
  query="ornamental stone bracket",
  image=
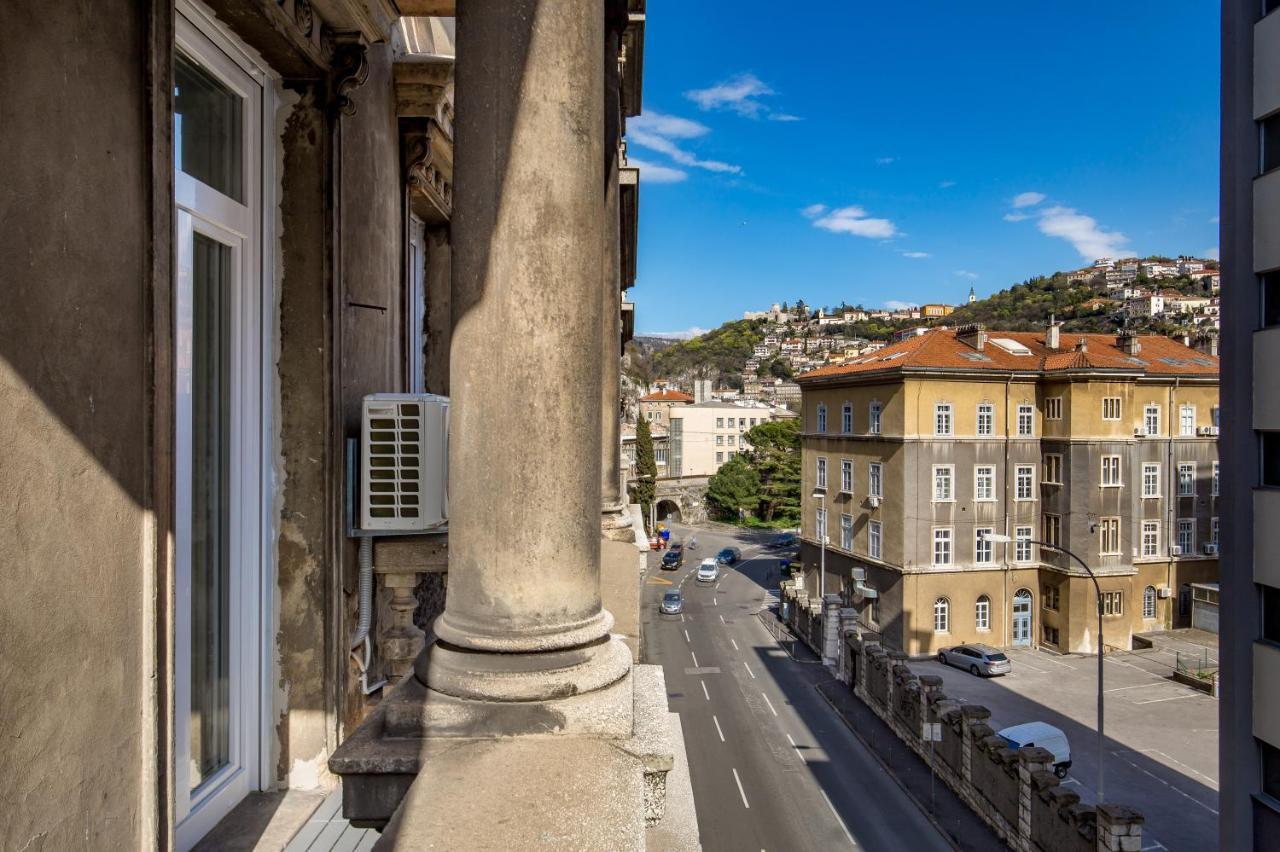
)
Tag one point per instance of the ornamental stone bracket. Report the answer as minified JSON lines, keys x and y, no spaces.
{"x":350,"y":71}
{"x":428,"y":169}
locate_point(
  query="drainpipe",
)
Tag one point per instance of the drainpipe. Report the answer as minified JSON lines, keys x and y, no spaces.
{"x":366,"y":617}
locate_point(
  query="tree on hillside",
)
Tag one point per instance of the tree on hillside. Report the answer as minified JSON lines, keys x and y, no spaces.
{"x":733,"y":489}
{"x":775,"y":455}
{"x":643,"y":489}
{"x":781,"y":369}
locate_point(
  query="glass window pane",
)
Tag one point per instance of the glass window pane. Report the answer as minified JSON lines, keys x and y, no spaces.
{"x":210,"y":486}
{"x":208,"y":129}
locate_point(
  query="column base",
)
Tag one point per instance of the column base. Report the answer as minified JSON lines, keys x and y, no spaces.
{"x":615,"y":523}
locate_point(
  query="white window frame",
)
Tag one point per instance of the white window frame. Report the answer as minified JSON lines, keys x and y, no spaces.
{"x":1186,"y":420}
{"x":1151,"y":419}
{"x":986,"y":419}
{"x":846,"y":532}
{"x":982,"y":613}
{"x":1111,"y":402}
{"x":944,"y":536}
{"x":846,"y":418}
{"x":1150,"y":538}
{"x":984,"y":483}
{"x":1026,"y":421}
{"x":875,"y":480}
{"x":1024,"y":475}
{"x":948,"y":478}
{"x":1186,"y":479}
{"x":1215,"y":482}
{"x":984,"y":550}
{"x":942,"y":616}
{"x":1187,"y":535}
{"x":1111,"y":476}
{"x":846,"y":476}
{"x":249,"y":229}
{"x":820,"y":524}
{"x":944,"y":424}
{"x":1023,"y":549}
{"x":1149,"y":602}
{"x":719,"y":440}
{"x":821,"y":473}
{"x":822,"y":418}
{"x":720,"y":457}
{"x":1108,"y":536}
{"x":875,"y":414}
{"x":875,"y":539}
{"x":1150,"y":480}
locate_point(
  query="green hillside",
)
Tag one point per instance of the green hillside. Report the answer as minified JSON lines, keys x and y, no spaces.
{"x":718,"y":354}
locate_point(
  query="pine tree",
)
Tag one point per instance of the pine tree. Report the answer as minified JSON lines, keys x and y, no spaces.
{"x":775,"y":456}
{"x":646,"y":471}
{"x":734,"y":488}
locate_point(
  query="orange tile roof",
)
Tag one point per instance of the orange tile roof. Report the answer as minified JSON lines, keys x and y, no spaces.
{"x":667,"y":396}
{"x":940,"y":349}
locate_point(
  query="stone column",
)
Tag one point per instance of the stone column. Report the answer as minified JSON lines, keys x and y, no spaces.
{"x":615,"y":521}
{"x":523,"y":620}
{"x":1119,"y":829}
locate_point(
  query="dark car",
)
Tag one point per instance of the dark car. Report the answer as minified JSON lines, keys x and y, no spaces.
{"x":729,"y":556}
{"x":673,"y":558}
{"x":978,"y":659}
{"x":784,"y":540}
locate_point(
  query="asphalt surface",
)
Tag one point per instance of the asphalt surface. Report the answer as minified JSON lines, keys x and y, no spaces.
{"x":773,"y":767}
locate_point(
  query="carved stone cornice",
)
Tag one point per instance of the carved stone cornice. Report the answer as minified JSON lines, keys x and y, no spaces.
{"x":425,"y":90}
{"x":291,"y":35}
{"x":350,"y":71}
{"x":428,"y":168}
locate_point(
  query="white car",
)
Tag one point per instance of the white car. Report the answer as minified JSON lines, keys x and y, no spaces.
{"x":1044,"y":735}
{"x":708,"y":571}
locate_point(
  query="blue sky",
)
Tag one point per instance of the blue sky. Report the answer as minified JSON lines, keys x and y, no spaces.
{"x":902,"y":152}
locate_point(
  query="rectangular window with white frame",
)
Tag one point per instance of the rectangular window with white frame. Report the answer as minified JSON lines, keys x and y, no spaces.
{"x":873,"y":418}
{"x":719,"y":457}
{"x":1110,"y":472}
{"x":942,"y":551}
{"x":1023,"y":550}
{"x":986,"y":420}
{"x":1053,"y":408}
{"x":942,"y":419}
{"x":719,"y":440}
{"x":1026,"y":421}
{"x":731,"y":441}
{"x":846,"y":532}
{"x":822,"y":473}
{"x":983,"y":548}
{"x":1186,"y":536}
{"x":984,"y":483}
{"x":1024,"y":479}
{"x":846,"y":476}
{"x":1214,"y":483}
{"x":1151,"y":420}
{"x":822,"y":418}
{"x":1187,"y":420}
{"x":846,"y":419}
{"x":1109,"y":536}
{"x":873,"y":539}
{"x":1150,"y":480}
{"x":943,"y":483}
{"x":1111,"y":408}
{"x":875,"y":487}
{"x":1150,"y":538}
{"x":1053,"y":469}
{"x":820,"y":524}
{"x":1186,"y":479}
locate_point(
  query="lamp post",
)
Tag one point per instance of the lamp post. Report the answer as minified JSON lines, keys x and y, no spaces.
{"x":821,"y":494}
{"x":997,"y":538}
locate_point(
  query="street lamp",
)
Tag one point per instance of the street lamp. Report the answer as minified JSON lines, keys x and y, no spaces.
{"x":997,"y":538}
{"x":821,"y":494}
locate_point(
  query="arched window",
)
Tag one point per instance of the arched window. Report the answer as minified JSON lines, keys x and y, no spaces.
{"x":846,"y":419}
{"x":1149,"y":602}
{"x":982,"y":613}
{"x":822,"y":417}
{"x":941,"y":615}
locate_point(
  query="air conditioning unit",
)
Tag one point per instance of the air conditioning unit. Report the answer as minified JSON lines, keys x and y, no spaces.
{"x":1208,"y":431}
{"x":873,"y":502}
{"x":1175,"y":550}
{"x":1210,"y":549}
{"x":1164,"y":592}
{"x":404,"y":462}
{"x":1138,"y":432}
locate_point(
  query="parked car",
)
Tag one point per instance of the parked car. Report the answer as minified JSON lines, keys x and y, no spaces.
{"x":708,"y":571}
{"x":729,"y":556}
{"x":673,"y":558}
{"x":978,"y":659}
{"x":1047,"y":737}
{"x":655,"y":543}
{"x":672,"y":603}
{"x":783,"y":540}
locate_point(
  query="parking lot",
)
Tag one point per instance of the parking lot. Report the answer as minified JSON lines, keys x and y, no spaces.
{"x":1161,"y":737}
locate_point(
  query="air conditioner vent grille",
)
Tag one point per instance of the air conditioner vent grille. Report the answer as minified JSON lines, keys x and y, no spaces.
{"x":405,"y":452}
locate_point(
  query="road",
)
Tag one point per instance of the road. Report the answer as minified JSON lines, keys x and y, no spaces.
{"x":773,"y":767}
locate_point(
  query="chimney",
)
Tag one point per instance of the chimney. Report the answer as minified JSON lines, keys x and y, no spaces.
{"x":1127,"y":342}
{"x":1082,"y":345}
{"x":972,"y":334}
{"x":1052,"y":333}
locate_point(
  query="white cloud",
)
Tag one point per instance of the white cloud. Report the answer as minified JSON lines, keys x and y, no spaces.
{"x":884,"y":161}
{"x":916,"y":254}
{"x":1016,"y":217}
{"x":854,"y":220}
{"x":964,"y":273}
{"x":1028,"y":199}
{"x":946,"y":184}
{"x":784,"y":116}
{"x":740,"y":94}
{"x":1211,"y":253}
{"x":813,"y":211}
{"x":687,"y":334}
{"x":895,"y":305}
{"x":655,"y":131}
{"x":654,"y":173}
{"x":1083,"y":232}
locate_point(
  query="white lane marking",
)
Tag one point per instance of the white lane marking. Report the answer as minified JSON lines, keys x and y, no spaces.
{"x":686,"y":637}
{"x":799,"y":753}
{"x":770,"y":703}
{"x":718,"y":731}
{"x":748,"y":668}
{"x":1212,"y":782}
{"x":735,"y":644}
{"x":1134,"y":686}
{"x":717,"y":587}
{"x":1170,"y":786}
{"x":705,"y":694}
{"x":1155,"y":844}
{"x":836,"y":814}
{"x":716,"y":602}
{"x":682,"y":618}
{"x":695,"y":659}
{"x":722,"y":621}
{"x":1172,"y":698}
{"x":741,"y":792}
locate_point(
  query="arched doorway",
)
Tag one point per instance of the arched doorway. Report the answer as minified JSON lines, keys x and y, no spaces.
{"x":1021,"y":618}
{"x":668,"y":510}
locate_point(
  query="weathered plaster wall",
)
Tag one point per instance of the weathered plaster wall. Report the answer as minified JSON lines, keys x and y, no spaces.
{"x":75,"y":461}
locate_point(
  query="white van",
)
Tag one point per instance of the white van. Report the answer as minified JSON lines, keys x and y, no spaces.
{"x":708,"y":571}
{"x":1047,"y":737}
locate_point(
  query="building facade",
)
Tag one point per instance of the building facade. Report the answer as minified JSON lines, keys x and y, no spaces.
{"x":1249,"y":738}
{"x":656,"y":407}
{"x":1105,"y":446}
{"x":705,"y":435}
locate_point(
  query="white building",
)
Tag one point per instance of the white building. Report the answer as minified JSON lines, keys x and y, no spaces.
{"x":705,"y":435}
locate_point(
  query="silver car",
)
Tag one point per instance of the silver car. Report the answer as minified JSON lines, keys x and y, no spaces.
{"x":977,"y":659}
{"x":672,"y":603}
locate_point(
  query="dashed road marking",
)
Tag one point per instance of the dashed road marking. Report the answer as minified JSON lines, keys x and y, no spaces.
{"x":799,"y":753}
{"x":1170,"y":786}
{"x":1170,"y":698}
{"x":686,"y":637}
{"x":705,"y":694}
{"x":741,"y":792}
{"x":722,"y":621}
{"x":735,"y":644}
{"x":718,"y":731}
{"x":748,"y":668}
{"x":770,"y":703}
{"x":695,"y":659}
